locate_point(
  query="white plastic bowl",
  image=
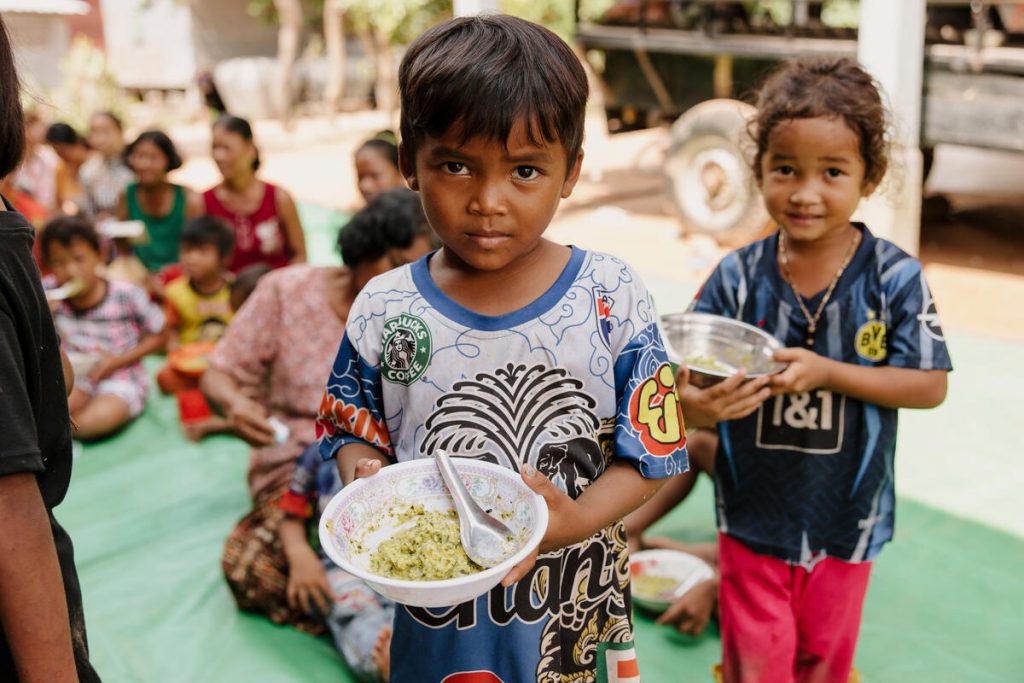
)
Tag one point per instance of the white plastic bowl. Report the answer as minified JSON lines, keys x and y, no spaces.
{"x":686,"y":569}
{"x":369,"y":503}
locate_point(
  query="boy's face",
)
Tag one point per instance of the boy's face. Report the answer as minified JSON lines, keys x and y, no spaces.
{"x":490,"y":204}
{"x":201,"y":261}
{"x":76,"y":261}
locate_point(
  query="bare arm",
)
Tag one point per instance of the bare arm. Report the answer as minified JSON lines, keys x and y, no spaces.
{"x":617,"y":492}
{"x":885,"y":386}
{"x":151,"y":343}
{"x":194,"y":204}
{"x":33,"y":607}
{"x":289,"y":215}
{"x":247,"y":418}
{"x":122,"y":206}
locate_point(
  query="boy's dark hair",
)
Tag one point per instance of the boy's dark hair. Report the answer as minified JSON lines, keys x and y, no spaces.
{"x":240,"y":127}
{"x":385,"y":144}
{"x":64,"y":231}
{"x":209,"y":230}
{"x":162,"y":141}
{"x":62,"y":133}
{"x":245,"y":282}
{"x":114,"y":118}
{"x":812,"y":88}
{"x":391,"y":221}
{"x":12,"y":130}
{"x":486,"y":73}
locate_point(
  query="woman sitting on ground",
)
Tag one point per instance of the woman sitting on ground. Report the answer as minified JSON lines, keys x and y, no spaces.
{"x":270,"y":367}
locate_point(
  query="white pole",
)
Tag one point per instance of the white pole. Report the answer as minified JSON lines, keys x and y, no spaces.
{"x":465,"y":8}
{"x":891,"y":48}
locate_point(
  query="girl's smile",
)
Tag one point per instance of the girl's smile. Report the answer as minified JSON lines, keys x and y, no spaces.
{"x":813,"y":177}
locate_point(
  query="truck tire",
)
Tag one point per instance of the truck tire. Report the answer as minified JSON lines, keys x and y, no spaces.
{"x":708,"y":173}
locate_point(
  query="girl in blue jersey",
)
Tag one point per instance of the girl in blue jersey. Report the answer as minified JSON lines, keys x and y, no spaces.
{"x":804,"y":468}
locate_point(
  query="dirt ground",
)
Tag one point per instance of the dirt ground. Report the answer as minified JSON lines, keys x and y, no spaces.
{"x":972,"y":235}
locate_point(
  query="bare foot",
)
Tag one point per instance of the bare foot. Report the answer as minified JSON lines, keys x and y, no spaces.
{"x":382,"y":654}
{"x":197,"y":431}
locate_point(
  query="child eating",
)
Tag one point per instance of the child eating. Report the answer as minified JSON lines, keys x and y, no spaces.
{"x":112,"y":325}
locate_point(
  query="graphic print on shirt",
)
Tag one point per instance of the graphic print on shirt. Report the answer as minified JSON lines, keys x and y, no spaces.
{"x":594,"y":615}
{"x":929,"y":317}
{"x":603,"y":305}
{"x":405,"y":353}
{"x":655,"y":413}
{"x":870,"y":342}
{"x":807,"y":422}
{"x":518,"y":415}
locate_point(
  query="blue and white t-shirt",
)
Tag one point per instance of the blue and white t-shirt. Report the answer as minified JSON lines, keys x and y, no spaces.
{"x":811,"y":474}
{"x":569,"y":383}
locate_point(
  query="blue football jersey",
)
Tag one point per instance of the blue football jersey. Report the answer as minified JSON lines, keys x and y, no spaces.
{"x":567,"y":384}
{"x":811,"y":474}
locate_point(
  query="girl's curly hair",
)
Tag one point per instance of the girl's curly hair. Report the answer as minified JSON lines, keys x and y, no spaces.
{"x":812,"y":88}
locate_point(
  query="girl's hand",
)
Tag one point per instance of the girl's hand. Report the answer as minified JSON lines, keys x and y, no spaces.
{"x":807,"y":370}
{"x":248,"y":419}
{"x":103,"y":368}
{"x":730,"y":399}
{"x":308,"y":585}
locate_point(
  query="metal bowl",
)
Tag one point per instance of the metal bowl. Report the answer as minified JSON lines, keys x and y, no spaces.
{"x":714,"y":347}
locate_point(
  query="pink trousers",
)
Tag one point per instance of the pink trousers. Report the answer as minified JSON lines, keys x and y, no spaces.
{"x":781,"y":623}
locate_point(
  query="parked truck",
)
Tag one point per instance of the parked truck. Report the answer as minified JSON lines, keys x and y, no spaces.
{"x":693,"y":66}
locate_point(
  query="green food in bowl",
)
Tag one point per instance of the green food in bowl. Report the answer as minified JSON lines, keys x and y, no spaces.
{"x":705,"y":363}
{"x":654,"y":586}
{"x":429,"y":549}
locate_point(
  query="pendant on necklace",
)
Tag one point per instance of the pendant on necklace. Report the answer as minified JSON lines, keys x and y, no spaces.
{"x":810,"y":341}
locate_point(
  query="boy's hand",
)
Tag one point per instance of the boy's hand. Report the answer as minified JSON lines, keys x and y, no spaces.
{"x":564,"y":513}
{"x":103,"y":368}
{"x":690,"y":613}
{"x":308,"y":585}
{"x":248,"y":419}
{"x":561,"y":529}
{"x":731,"y":399}
{"x":807,"y":370}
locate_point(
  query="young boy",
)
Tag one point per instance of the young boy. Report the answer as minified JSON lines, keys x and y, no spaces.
{"x":110,"y":324}
{"x":504,"y":346}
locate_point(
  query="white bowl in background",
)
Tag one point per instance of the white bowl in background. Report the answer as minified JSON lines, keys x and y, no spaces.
{"x":685,"y":569}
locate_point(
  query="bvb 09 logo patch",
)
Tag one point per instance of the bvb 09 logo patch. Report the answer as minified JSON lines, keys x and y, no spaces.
{"x":871,"y":339}
{"x":406,"y":350}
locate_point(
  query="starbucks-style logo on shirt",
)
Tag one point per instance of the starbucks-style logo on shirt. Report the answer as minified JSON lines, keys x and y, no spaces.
{"x":406,"y":350}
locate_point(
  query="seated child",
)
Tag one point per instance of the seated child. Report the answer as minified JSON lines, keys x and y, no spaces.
{"x":507,"y":347}
{"x":245,"y":283}
{"x":359,"y":620}
{"x":377,"y":165}
{"x":271,"y":560}
{"x":107,"y":325}
{"x":197,"y":306}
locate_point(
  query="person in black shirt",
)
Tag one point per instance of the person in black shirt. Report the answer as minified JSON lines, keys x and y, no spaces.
{"x":42,"y":630}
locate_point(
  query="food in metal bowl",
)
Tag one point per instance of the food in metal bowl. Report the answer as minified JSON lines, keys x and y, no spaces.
{"x":715,"y":347}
